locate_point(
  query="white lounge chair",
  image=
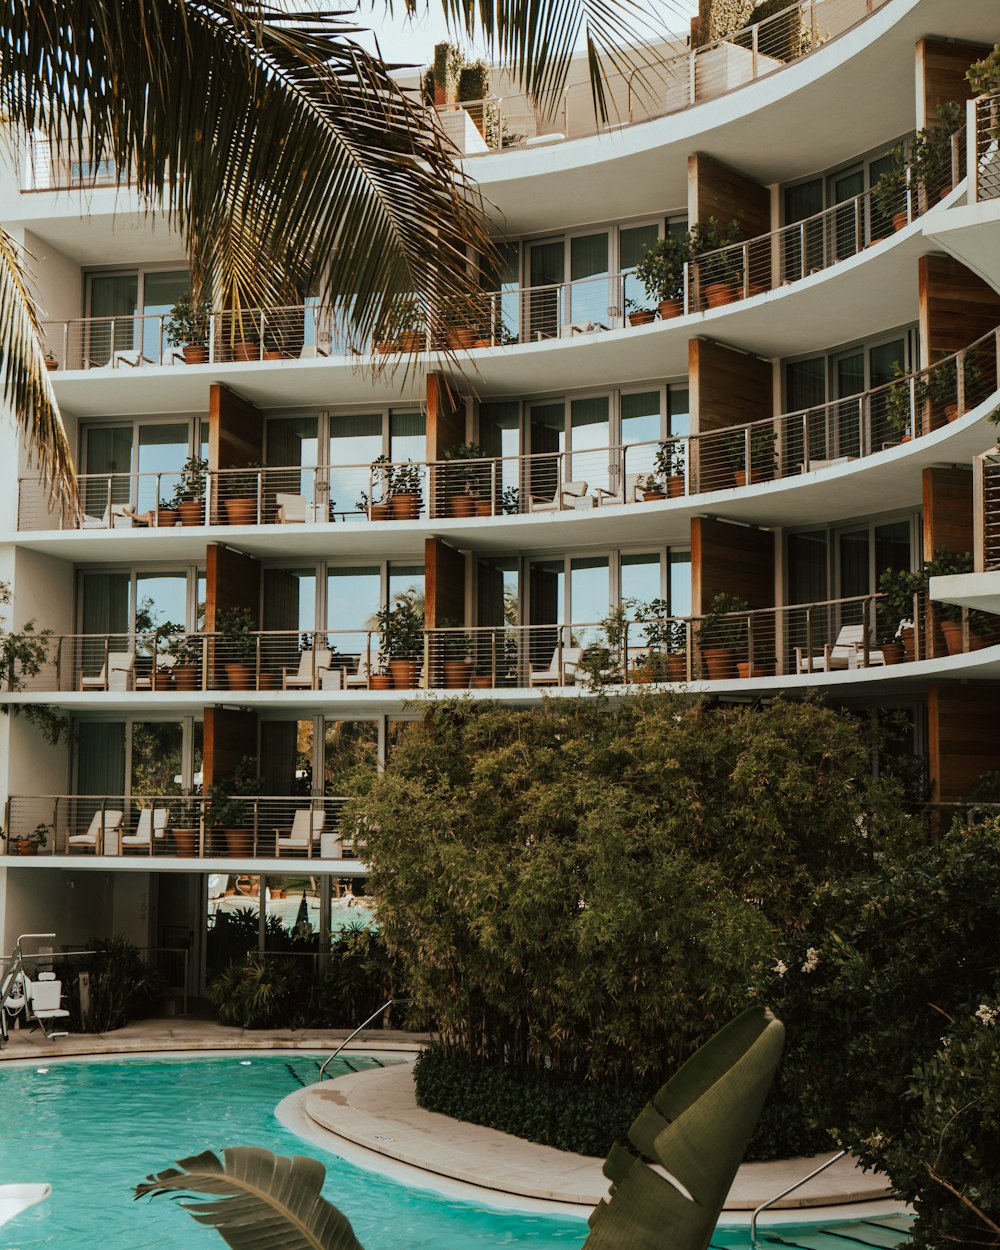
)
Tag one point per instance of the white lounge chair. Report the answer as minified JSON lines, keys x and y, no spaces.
{"x":101,"y":824}
{"x":568,"y":495}
{"x":628,"y":492}
{"x":114,"y":675}
{"x":312,"y":664}
{"x":152,"y":824}
{"x":44,"y":1002}
{"x":367,"y":664}
{"x":298,"y":838}
{"x":561,"y":670}
{"x":118,"y":517}
{"x":290,"y":509}
{"x":847,"y":652}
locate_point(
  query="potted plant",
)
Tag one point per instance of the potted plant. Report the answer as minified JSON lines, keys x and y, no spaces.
{"x":167,"y":515}
{"x":231,"y":807}
{"x":652,"y":488}
{"x":931,"y":157}
{"x":761,"y":447}
{"x":666,"y":640}
{"x":897,"y":403}
{"x":661,"y":272}
{"x":187,"y":326}
{"x":719,"y":269}
{"x":401,"y":631}
{"x":889,"y":192}
{"x":466,"y":481}
{"x":241,"y":485}
{"x":236,"y":632}
{"x":945,"y":563}
{"x":381,"y":472}
{"x":31,"y":843}
{"x":456,"y":655}
{"x":722,"y":635}
{"x":887,"y":633}
{"x":669,"y":467}
{"x":50,"y":362}
{"x":895,"y":611}
{"x":185,"y":825}
{"x":637,"y":315}
{"x":405,"y":498}
{"x":189,"y":497}
{"x":186,"y":650}
{"x":244,"y":335}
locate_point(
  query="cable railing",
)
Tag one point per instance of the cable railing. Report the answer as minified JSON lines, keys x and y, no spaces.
{"x":294,"y":827}
{"x":984,"y":146}
{"x":683,"y":77}
{"x":541,"y":483}
{"x":44,"y":169}
{"x":986,"y":505}
{"x":788,"y":640}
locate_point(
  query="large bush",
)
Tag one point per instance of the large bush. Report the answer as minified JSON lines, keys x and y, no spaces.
{"x":593,"y":888}
{"x":122,"y":986}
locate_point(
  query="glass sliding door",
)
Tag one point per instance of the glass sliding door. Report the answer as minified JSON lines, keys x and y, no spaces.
{"x":156,"y":758}
{"x":639,"y":581}
{"x":848,"y":221}
{"x":353,"y":597}
{"x":355,"y":442}
{"x":161,"y":289}
{"x":589,"y":271}
{"x":805,"y":392}
{"x":885,"y":362}
{"x":108,"y":460}
{"x":547,"y":442}
{"x":114,"y":302}
{"x":640,"y":433}
{"x":546,"y":274}
{"x":105,"y":613}
{"x":590,"y":442}
{"x":803,"y":249}
{"x":590,"y":596}
{"x":293,"y":442}
{"x":161,"y":455}
{"x":849,"y":379}
{"x":500,"y":437}
{"x":633,"y":243}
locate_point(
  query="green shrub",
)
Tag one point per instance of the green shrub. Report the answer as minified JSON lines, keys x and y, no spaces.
{"x":358,"y":979}
{"x":260,"y":992}
{"x":123,"y":986}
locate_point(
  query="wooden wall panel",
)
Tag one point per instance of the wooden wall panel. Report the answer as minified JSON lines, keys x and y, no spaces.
{"x":715,"y":190}
{"x":235,"y":429}
{"x":232,"y":580}
{"x":445,"y":416}
{"x":963,"y":723}
{"x":956,"y":307}
{"x":727,"y":388}
{"x":229,"y":735}
{"x":444,"y":583}
{"x":733,"y":559}
{"x":947,"y":511}
{"x":941,"y":66}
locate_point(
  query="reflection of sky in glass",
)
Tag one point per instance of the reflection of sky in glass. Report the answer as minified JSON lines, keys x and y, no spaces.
{"x":678,"y":405}
{"x":307,"y":599}
{"x":589,"y":595}
{"x":353,"y":596}
{"x":640,"y":415}
{"x":680,"y":583}
{"x":403,"y":577}
{"x":591,"y":437}
{"x":354,"y":443}
{"x":408,"y":438}
{"x":640,"y":580}
{"x":160,"y":291}
{"x":162,"y":449}
{"x":168,"y":595}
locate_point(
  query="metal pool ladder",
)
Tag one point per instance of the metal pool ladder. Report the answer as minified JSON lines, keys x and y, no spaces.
{"x":350,"y":1038}
{"x":790,"y":1190}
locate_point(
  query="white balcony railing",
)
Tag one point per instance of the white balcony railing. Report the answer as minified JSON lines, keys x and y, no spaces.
{"x":984,"y":146}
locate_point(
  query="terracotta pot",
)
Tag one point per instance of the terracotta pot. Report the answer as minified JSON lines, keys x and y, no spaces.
{"x":759,"y":668}
{"x":457,"y":674}
{"x":756,"y":288}
{"x":240,"y":511}
{"x":405,"y":674}
{"x":740,"y":476}
{"x":482,"y":681}
{"x":187,"y":676}
{"x":166,"y":518}
{"x":380,"y":681}
{"x":462,"y":505}
{"x":405,"y":507}
{"x":670,"y":308}
{"x":677,"y":668}
{"x":378,"y":512}
{"x":51,"y":364}
{"x":899,"y":221}
{"x":239,"y":842}
{"x":909,"y":643}
{"x":195,"y":353}
{"x":461,"y":338}
{"x":186,"y":841}
{"x":892,"y":652}
{"x":719,"y":293}
{"x":274,"y":354}
{"x":192,"y":512}
{"x":952,"y":631}
{"x":246,"y":351}
{"x":484,"y":507}
{"x":267,"y":681}
{"x":21,"y":846}
{"x":951,"y":410}
{"x":641,"y":318}
{"x":239,"y":676}
{"x":675,"y":487}
{"x":650,"y":496}
{"x":945,"y":191}
{"x":720,"y":663}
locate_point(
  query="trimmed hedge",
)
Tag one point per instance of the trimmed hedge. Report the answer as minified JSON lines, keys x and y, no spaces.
{"x":585,"y":1117}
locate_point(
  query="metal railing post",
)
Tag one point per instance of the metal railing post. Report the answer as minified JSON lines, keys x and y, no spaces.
{"x":960,"y":381}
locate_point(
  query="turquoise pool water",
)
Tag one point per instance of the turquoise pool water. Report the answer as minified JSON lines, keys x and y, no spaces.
{"x":95,"y":1129}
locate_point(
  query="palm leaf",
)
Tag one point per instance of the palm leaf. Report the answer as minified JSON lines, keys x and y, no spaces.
{"x":25,"y":388}
{"x":262,"y":1201}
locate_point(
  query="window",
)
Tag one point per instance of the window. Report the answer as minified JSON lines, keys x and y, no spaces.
{"x":127,"y":309}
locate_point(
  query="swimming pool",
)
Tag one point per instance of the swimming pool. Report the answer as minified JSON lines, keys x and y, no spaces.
{"x":95,"y":1129}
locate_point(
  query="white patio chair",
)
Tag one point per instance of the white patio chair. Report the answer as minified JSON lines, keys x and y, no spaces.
{"x":554,"y":675}
{"x":847,"y":652}
{"x":628,"y":492}
{"x":152,"y":823}
{"x":359,"y":680}
{"x":101,"y":823}
{"x":568,"y":495}
{"x":309,"y":674}
{"x":114,"y":674}
{"x":291,"y":509}
{"x":298,"y":838}
{"x":44,"y":1002}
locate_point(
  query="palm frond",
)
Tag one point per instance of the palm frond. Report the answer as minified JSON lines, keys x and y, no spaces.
{"x":262,"y":1201}
{"x":25,"y":388}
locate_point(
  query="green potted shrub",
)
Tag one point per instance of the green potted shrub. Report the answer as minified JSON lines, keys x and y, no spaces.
{"x":187,"y":327}
{"x":187,"y":652}
{"x":381,"y":474}
{"x":653,"y":487}
{"x":719,"y":272}
{"x":236,"y":641}
{"x":897,"y":401}
{"x":661,"y":272}
{"x":405,"y":498}
{"x":894,"y":613}
{"x":930,"y":156}
{"x":31,"y":843}
{"x":669,"y":467}
{"x":639,"y":314}
{"x":465,"y":481}
{"x":722,"y":635}
{"x":189,"y":497}
{"x":666,"y":640}
{"x":762,"y":453}
{"x":240,"y":486}
{"x":401,"y":633}
{"x":456,"y":655}
{"x":945,"y":563}
{"x":889,"y":192}
{"x":230,"y":806}
{"x":184,"y":826}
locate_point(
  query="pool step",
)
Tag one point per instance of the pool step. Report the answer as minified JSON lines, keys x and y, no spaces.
{"x":882,"y":1234}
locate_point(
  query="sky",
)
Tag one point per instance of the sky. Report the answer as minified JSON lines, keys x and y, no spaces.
{"x":413,"y":41}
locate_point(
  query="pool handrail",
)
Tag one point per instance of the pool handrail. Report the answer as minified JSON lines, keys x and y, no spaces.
{"x":790,"y":1189}
{"x":351,"y":1036}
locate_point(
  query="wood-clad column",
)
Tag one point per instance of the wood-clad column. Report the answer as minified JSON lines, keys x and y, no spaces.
{"x":730,"y":559}
{"x":947,"y":511}
{"x":716,"y":190}
{"x":444,"y":597}
{"x":445,"y":431}
{"x":232,"y":580}
{"x":941,"y":66}
{"x":963,"y":732}
{"x":235,"y":429}
{"x":229,"y":735}
{"x":727,"y":388}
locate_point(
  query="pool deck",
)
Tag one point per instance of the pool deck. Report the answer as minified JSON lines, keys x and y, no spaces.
{"x":372,"y":1119}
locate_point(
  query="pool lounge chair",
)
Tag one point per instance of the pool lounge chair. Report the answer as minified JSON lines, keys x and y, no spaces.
{"x":568,"y":495}
{"x":153,"y":822}
{"x":101,"y":825}
{"x":298,"y":840}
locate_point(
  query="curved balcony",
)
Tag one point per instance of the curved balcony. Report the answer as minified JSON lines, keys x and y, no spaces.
{"x":803,"y":642}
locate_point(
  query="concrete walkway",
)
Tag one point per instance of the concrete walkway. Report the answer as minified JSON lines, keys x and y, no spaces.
{"x":377,"y":1111}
